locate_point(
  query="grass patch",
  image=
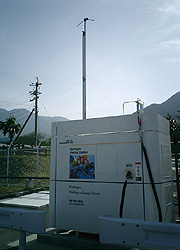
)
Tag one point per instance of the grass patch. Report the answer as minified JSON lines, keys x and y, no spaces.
{"x":10,"y":189}
{"x":23,"y":164}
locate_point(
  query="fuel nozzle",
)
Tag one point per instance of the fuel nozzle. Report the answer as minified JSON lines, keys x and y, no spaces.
{"x":129,"y":175}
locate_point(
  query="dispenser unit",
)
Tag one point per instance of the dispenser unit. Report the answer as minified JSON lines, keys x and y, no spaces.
{"x":92,"y":159}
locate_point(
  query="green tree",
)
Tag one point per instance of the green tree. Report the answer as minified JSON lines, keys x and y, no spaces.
{"x":29,"y":139}
{"x":175,"y":138}
{"x":10,"y":127}
{"x":174,"y":128}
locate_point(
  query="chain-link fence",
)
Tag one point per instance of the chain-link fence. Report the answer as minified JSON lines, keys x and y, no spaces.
{"x":21,"y":165}
{"x":175,"y":148}
{"x":175,"y":151}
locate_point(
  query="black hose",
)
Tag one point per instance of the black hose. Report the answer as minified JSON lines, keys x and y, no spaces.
{"x":152,"y":182}
{"x":122,"y":199}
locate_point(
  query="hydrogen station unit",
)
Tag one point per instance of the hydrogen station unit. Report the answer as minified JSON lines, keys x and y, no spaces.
{"x":116,"y":166}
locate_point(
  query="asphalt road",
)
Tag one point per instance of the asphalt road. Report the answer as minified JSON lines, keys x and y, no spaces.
{"x":9,"y":240}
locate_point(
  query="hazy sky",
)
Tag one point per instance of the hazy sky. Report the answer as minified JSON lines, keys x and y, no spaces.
{"x":133,"y":51}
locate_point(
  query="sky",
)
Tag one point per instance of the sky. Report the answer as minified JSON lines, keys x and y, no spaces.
{"x":133,"y":51}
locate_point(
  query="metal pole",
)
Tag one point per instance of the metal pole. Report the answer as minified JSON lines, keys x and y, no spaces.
{"x":8,"y":155}
{"x":7,"y":173}
{"x":22,"y":240}
{"x":37,"y":163}
{"x":84,"y":67}
{"x":36,"y":110}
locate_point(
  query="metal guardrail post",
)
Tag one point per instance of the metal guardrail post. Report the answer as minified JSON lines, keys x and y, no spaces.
{"x":22,"y":240}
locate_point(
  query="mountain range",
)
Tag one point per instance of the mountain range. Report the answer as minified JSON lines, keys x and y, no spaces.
{"x":44,"y":122}
{"x":171,"y":106}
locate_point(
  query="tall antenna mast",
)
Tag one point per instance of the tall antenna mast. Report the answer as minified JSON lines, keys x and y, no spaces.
{"x":84,"y":64}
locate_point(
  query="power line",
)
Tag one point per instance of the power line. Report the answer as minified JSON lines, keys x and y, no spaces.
{"x":21,"y":101}
{"x":46,"y":110}
{"x":19,"y":96}
{"x":15,"y":70}
{"x":12,"y":77}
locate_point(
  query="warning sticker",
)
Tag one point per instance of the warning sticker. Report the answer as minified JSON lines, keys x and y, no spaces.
{"x":138,"y":171}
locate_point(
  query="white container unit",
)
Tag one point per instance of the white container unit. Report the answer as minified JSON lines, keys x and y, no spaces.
{"x":90,"y":161}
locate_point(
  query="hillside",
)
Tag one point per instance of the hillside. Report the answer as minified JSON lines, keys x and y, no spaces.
{"x":44,"y":122}
{"x":171,"y":106}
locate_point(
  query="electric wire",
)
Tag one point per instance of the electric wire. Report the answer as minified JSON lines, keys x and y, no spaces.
{"x":18,"y":56}
{"x":20,"y":101}
{"x":46,"y":110}
{"x":13,"y":78}
{"x":8,"y":68}
{"x":12,"y":104}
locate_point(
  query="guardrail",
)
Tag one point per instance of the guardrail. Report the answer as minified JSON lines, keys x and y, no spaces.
{"x":23,"y":221}
{"x":138,"y":233}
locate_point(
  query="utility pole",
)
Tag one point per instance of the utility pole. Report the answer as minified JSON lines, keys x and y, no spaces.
{"x":36,"y":94}
{"x":84,"y":64}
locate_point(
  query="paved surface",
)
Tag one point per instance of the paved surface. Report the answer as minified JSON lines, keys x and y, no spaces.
{"x":9,"y":241}
{"x":33,"y":244}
